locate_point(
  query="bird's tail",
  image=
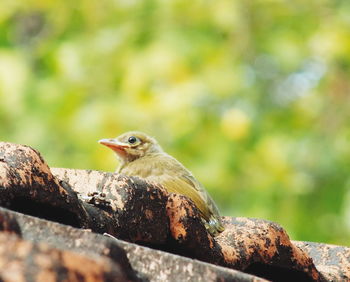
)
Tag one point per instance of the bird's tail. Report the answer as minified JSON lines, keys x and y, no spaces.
{"x":214,"y":225}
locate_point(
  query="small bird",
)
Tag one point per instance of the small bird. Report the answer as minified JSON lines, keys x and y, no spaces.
{"x":141,"y":155}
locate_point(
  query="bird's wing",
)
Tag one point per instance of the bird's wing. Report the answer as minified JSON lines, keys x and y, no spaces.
{"x":184,"y":185}
{"x":175,"y":178}
{"x":204,"y":194}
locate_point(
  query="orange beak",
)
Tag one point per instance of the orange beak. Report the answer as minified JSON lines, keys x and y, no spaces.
{"x":115,"y":145}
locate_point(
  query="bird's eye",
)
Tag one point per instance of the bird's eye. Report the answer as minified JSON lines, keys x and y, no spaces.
{"x":132,"y":139}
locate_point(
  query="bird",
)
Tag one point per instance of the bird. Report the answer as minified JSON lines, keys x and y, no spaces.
{"x":140,"y":155}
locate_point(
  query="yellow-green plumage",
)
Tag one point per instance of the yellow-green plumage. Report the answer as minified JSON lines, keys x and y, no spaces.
{"x":145,"y":158}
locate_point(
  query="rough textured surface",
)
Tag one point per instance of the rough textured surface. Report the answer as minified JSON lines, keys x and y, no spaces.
{"x":27,"y":185}
{"x":134,"y":210}
{"x":191,"y":237}
{"x":146,"y":264}
{"x":8,"y":224}
{"x":255,"y":246}
{"x":333,"y":261}
{"x":21,"y":260}
{"x":164,"y":266}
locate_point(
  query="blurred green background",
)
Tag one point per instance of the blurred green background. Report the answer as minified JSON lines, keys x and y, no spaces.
{"x":252,"y":96}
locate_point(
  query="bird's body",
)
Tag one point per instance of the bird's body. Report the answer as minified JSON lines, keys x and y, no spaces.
{"x":143,"y":157}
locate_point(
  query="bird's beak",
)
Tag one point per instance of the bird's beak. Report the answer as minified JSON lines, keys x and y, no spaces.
{"x":113,"y":144}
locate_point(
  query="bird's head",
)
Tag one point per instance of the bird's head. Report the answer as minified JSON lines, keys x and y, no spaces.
{"x":132,"y":145}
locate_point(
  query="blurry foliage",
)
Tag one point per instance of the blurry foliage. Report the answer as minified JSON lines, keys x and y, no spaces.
{"x":252,"y":96}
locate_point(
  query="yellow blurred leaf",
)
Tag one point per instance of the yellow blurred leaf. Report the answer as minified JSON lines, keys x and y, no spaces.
{"x":235,"y":124}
